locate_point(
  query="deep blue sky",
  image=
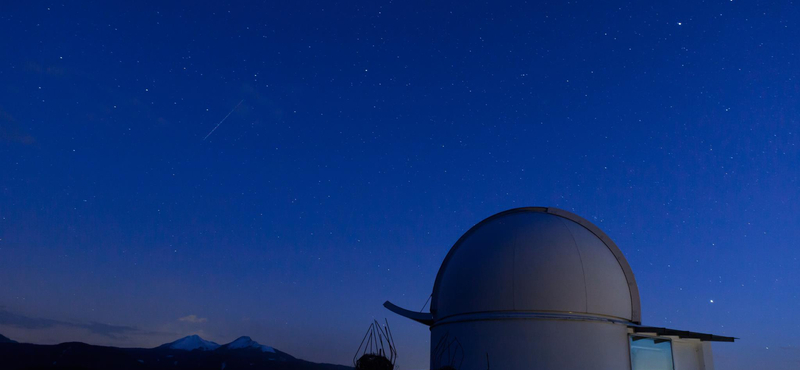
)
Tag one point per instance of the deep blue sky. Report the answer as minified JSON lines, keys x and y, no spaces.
{"x":370,"y":136}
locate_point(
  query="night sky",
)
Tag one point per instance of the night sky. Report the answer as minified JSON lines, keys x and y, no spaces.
{"x":359,"y":139}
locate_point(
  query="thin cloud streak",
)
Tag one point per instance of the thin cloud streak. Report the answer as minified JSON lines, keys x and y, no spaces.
{"x":107,"y":330}
{"x":193,"y":319}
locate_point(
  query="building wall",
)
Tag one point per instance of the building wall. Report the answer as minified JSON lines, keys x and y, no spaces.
{"x":531,"y":344}
{"x":687,"y":354}
{"x":692,"y":354}
{"x":708,"y":358}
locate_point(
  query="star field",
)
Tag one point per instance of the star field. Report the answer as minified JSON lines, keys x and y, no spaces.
{"x":279,"y":169}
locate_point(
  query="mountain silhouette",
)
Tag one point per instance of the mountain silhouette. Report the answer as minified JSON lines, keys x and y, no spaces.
{"x":188,"y":353}
{"x":247,"y":343}
{"x":191,"y":343}
{"x":5,"y":339}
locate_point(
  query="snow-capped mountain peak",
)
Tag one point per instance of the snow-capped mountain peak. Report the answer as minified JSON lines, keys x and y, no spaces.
{"x":246,"y":342}
{"x":191,"y":343}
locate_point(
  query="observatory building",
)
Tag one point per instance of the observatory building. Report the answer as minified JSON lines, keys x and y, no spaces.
{"x":541,"y":288}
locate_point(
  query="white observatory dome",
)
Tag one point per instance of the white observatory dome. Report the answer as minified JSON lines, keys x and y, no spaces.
{"x":542,"y":288}
{"x":535,"y":260}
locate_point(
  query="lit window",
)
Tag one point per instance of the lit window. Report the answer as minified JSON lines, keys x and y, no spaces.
{"x":651,"y":353}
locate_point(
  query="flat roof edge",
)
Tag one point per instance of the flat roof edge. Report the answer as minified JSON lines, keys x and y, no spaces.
{"x":681,"y":333}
